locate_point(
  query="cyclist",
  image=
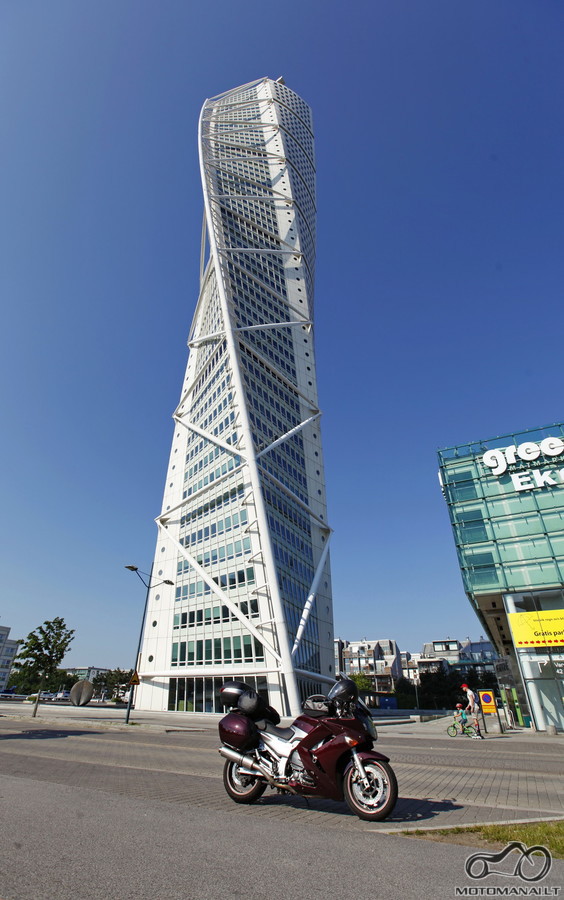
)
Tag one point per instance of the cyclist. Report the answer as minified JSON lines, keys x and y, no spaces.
{"x":460,"y":723}
{"x":460,"y":716}
{"x":473,"y":708}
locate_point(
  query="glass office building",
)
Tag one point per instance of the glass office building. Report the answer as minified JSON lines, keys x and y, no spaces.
{"x":506,"y":504}
{"x":243,"y":530}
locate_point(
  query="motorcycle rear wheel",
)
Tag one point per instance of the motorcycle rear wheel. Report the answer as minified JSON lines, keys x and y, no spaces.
{"x":242,"y":788}
{"x":376,"y":801}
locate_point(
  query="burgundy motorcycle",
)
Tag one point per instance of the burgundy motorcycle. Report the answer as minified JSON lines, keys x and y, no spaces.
{"x":326,"y":752}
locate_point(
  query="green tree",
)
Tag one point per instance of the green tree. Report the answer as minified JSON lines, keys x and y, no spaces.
{"x":440,"y":690}
{"x":111,"y":681}
{"x":26,"y":682}
{"x":483,"y":681}
{"x":42,"y":653}
{"x":405,"y":693}
{"x":363,"y":682}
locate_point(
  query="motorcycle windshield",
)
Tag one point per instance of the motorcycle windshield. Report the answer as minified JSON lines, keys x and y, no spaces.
{"x":364,"y":715}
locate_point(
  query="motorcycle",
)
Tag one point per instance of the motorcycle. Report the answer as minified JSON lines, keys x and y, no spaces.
{"x":326,"y":752}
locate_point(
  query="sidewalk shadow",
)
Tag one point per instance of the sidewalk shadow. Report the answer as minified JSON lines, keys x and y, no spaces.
{"x":407,"y":809}
{"x":417,"y":809}
{"x":44,"y":733}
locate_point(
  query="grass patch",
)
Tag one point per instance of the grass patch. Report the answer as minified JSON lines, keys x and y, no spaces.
{"x":548,"y":834}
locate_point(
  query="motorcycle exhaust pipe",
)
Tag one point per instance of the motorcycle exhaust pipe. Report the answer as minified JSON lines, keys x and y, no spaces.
{"x":248,"y":762}
{"x":242,"y":760}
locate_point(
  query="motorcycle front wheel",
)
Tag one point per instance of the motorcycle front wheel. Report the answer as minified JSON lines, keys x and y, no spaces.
{"x":242,"y":788}
{"x":376,"y":800}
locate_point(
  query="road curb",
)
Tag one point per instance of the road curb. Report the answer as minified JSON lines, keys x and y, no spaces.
{"x":468,"y":826}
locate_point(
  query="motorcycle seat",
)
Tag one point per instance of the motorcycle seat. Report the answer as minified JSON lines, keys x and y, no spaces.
{"x":284,"y":733}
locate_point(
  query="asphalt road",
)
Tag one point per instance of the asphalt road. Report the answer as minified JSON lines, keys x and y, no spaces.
{"x":93,"y":811}
{"x":69,"y":843}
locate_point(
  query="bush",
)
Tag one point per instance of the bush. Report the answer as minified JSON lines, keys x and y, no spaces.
{"x":405,"y":701}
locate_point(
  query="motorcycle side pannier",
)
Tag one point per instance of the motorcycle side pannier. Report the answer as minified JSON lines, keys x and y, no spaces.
{"x":238,"y":732}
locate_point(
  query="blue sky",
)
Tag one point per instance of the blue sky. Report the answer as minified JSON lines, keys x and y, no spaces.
{"x":439,"y":137}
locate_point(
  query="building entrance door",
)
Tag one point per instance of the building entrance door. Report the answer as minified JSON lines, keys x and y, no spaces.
{"x":550,"y":696}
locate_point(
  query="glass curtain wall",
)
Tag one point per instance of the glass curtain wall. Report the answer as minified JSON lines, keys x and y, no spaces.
{"x":506,"y":505}
{"x":506,"y":539}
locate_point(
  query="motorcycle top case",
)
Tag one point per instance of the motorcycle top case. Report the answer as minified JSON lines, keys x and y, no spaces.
{"x":239,"y":732}
{"x":252,"y":705}
{"x":230,"y":692}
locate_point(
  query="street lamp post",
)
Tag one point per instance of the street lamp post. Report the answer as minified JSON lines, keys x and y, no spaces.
{"x":148,"y":585}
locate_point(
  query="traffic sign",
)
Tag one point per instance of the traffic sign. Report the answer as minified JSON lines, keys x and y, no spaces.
{"x":487,"y":702}
{"x":134,"y":678}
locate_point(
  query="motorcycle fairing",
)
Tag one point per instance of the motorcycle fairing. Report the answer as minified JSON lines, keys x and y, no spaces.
{"x":282,"y":747}
{"x":366,"y":755}
{"x":324,"y":752}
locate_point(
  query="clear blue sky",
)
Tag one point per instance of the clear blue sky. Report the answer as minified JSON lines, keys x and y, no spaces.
{"x":440,"y":139}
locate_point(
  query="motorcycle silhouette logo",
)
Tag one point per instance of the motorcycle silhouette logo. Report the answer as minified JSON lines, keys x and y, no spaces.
{"x":532,"y":865}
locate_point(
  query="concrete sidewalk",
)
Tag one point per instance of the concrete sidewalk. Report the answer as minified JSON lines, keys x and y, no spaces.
{"x":115,"y":716}
{"x":438,"y":728}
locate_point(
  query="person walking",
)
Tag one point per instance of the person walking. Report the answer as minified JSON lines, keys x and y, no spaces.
{"x":473,"y":708}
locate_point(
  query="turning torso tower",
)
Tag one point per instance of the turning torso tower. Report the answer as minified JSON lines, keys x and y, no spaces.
{"x":243,"y":531}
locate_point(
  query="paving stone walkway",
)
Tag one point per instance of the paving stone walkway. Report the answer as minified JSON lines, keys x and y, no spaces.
{"x":443,"y":782}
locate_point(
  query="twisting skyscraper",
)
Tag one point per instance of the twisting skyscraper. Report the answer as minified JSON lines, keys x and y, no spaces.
{"x":243,"y":531}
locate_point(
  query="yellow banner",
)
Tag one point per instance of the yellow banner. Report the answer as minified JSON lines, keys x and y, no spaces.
{"x":537,"y":629}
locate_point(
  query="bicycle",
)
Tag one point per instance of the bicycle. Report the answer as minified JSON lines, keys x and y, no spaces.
{"x":459,"y":728}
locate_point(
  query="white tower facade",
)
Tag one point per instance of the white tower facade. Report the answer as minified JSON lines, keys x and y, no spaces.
{"x":243,"y":531}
